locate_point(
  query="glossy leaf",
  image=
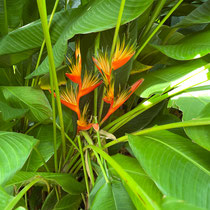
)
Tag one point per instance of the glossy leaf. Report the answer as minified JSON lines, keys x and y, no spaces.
{"x":14,"y":151}
{"x":192,"y":46}
{"x":198,"y":16}
{"x":28,"y":98}
{"x":66,"y":181}
{"x":44,"y":133}
{"x":192,"y":102}
{"x":184,"y":171}
{"x":4,"y":198}
{"x":157,"y":81}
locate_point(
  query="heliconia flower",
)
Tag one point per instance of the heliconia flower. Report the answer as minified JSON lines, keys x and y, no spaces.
{"x":69,"y":99}
{"x":89,"y":83}
{"x":103,"y":65}
{"x":121,"y":98}
{"x":109,"y":97}
{"x":82,"y":123}
{"x":75,"y":69}
{"x":122,"y":54}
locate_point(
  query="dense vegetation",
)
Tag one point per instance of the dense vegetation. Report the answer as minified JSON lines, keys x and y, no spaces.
{"x":104,"y":104}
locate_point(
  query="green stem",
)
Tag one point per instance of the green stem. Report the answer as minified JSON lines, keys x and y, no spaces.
{"x":90,"y":169}
{"x":32,"y":127}
{"x":16,"y":199}
{"x":5,"y":31}
{"x":43,"y":16}
{"x":83,"y":164}
{"x":122,"y":5}
{"x":189,"y":123}
{"x":157,"y":28}
{"x":155,"y":13}
{"x":101,"y":105}
{"x":97,"y":43}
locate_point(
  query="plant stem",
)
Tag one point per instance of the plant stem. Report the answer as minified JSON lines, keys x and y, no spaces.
{"x":189,"y":123}
{"x":43,"y":16}
{"x":97,"y":43}
{"x":122,"y":5}
{"x":15,"y":200}
{"x":157,"y":28}
{"x":155,"y":13}
{"x":83,"y":164}
{"x":5,"y":30}
{"x":90,"y":168}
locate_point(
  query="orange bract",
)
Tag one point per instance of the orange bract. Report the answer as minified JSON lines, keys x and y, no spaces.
{"x":122,"y":54}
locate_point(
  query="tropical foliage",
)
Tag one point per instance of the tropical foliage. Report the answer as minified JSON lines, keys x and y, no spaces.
{"x":104,"y":104}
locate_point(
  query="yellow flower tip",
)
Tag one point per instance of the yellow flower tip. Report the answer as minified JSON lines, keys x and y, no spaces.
{"x":103,"y":65}
{"x":122,"y":54}
{"x":109,"y":97}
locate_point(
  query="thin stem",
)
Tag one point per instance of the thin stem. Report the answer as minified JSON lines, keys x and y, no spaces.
{"x":90,"y":168}
{"x":190,"y":123}
{"x":83,"y":164}
{"x":122,"y":5}
{"x":15,"y":200}
{"x":97,"y":43}
{"x":155,"y":13}
{"x":43,"y":16}
{"x":101,"y":105}
{"x":32,"y":127}
{"x":5,"y":18}
{"x":157,"y":28}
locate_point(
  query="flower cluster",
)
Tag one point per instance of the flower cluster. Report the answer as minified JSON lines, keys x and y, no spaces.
{"x":90,"y":81}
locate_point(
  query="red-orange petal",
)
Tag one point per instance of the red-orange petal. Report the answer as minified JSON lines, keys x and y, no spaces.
{"x":84,"y":128}
{"x":118,"y":63}
{"x":72,"y":107}
{"x":97,"y":64}
{"x":85,"y":91}
{"x":74,"y":78}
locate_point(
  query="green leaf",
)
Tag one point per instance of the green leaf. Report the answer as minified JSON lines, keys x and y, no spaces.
{"x":198,"y":16}
{"x":9,"y":113}
{"x":28,"y":98}
{"x":157,"y":81}
{"x":14,"y":151}
{"x":66,"y":181}
{"x":192,"y":103}
{"x":173,"y":204}
{"x":190,"y":47}
{"x":133,"y":168}
{"x":179,"y":167}
{"x":4,"y":198}
{"x":44,"y":133}
{"x":69,"y":202}
{"x":110,"y":196}
{"x":95,"y":16}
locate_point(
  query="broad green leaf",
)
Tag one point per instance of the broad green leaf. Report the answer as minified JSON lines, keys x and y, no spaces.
{"x":173,"y":204}
{"x":9,"y":113}
{"x":192,"y":46}
{"x":69,"y":202}
{"x":4,"y":198}
{"x":96,"y":16}
{"x":133,"y":168}
{"x":198,"y":16}
{"x":179,"y":167}
{"x":28,"y":98}
{"x":14,"y":151}
{"x":50,"y":201}
{"x":157,"y":81}
{"x":111,"y":196}
{"x":192,"y":102}
{"x":66,"y":181}
{"x":44,"y":133}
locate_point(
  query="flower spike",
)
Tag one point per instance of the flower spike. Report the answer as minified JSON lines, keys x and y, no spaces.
{"x":121,"y":99}
{"x":75,"y":69}
{"x":109,"y":97}
{"x":103,"y":65}
{"x":122,"y":54}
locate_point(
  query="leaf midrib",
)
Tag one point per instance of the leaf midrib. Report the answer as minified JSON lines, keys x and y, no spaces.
{"x":182,"y":154}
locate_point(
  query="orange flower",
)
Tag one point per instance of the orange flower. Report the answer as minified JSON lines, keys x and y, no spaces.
{"x":75,"y":69}
{"x":109,"y":97}
{"x":82,"y":123}
{"x":103,"y":65}
{"x":89,"y":83}
{"x":122,"y":54}
{"x":121,"y":98}
{"x":69,"y":99}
